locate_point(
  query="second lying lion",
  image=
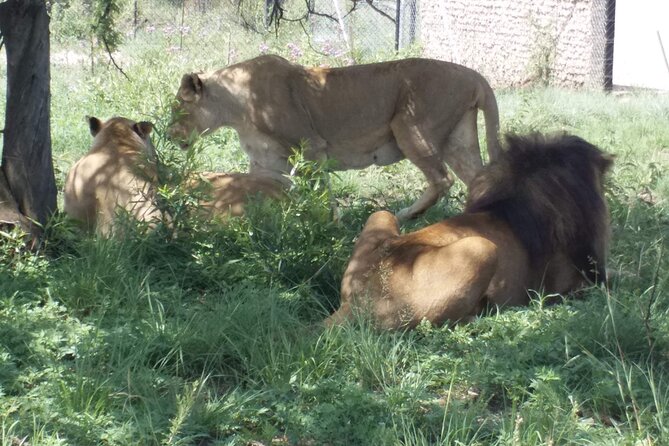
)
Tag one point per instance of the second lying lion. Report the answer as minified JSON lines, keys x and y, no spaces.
{"x":536,"y":219}
{"x":119,"y":173}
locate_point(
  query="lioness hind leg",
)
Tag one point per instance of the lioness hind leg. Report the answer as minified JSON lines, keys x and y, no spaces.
{"x":419,"y":149}
{"x":462,"y":152}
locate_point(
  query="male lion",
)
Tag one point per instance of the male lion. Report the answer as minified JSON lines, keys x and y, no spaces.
{"x":535,"y":219}
{"x":421,"y":109}
{"x":120,"y":172}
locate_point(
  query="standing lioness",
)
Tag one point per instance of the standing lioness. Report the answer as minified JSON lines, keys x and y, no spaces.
{"x":421,"y":109}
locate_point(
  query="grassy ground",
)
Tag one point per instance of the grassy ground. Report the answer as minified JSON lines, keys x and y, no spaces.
{"x":213,"y":338}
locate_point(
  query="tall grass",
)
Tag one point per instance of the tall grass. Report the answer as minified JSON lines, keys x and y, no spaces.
{"x":213,"y":336}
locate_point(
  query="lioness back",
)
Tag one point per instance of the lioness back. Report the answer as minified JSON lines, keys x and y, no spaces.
{"x":115,"y":173}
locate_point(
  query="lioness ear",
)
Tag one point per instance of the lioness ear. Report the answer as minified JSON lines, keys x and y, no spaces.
{"x":143,"y":129}
{"x":94,"y":124}
{"x":191,"y":87}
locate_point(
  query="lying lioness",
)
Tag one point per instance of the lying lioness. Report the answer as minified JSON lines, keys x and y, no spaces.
{"x":226,"y":194}
{"x":420,"y":109}
{"x":120,"y":172}
{"x":535,"y":219}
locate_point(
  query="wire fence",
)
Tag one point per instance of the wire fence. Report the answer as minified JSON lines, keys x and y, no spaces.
{"x":358,"y":28}
{"x":603,"y":27}
{"x":366,"y":27}
{"x":512,"y":42}
{"x":522,"y":42}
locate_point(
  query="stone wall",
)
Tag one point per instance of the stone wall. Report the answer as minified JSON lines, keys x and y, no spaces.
{"x":516,"y":42}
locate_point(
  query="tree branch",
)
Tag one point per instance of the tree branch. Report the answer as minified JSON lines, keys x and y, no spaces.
{"x":111,"y":57}
{"x":377,"y":9}
{"x":312,"y":11}
{"x":275,"y":14}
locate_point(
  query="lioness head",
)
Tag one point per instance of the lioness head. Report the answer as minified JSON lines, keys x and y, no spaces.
{"x":113,"y":174}
{"x":190,"y":116}
{"x":117,"y":130}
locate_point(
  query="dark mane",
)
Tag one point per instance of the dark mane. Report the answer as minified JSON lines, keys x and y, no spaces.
{"x":549,"y":191}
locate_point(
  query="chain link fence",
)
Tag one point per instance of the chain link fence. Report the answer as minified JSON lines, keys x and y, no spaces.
{"x":603,"y":28}
{"x":366,"y":27}
{"x":357,"y":29}
{"x":522,"y":42}
{"x":512,"y":42}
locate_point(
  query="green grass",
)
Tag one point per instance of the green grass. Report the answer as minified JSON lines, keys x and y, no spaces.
{"x":213,"y":337}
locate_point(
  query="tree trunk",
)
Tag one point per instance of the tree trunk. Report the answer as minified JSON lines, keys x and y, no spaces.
{"x":26,"y":172}
{"x":9,"y":210}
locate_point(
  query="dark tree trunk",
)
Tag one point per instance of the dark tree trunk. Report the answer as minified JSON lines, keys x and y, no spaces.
{"x":26,"y":172}
{"x":9,"y":210}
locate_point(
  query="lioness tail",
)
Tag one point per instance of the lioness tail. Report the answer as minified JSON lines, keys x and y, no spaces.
{"x":488,"y":105}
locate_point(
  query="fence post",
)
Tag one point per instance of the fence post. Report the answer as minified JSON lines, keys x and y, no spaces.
{"x":135,"y":19}
{"x":398,"y":23}
{"x":608,"y":48}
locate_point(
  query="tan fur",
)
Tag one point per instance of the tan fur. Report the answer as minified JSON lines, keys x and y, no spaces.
{"x":228,"y":193}
{"x":420,"y":109}
{"x":119,"y":172}
{"x":451,"y":270}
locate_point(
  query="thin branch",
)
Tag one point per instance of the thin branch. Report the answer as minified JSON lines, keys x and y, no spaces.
{"x":321,"y":14}
{"x":275,"y":15}
{"x":353,"y":8}
{"x":377,"y":9}
{"x":312,"y":11}
{"x":111,"y":57}
{"x":309,"y":42}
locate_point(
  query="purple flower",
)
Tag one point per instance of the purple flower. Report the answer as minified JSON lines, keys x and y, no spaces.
{"x":295,"y":51}
{"x":232,"y":55}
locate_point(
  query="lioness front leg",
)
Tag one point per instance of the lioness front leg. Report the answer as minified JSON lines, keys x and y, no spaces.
{"x":424,"y":155}
{"x":267,"y":158}
{"x":429,"y":197}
